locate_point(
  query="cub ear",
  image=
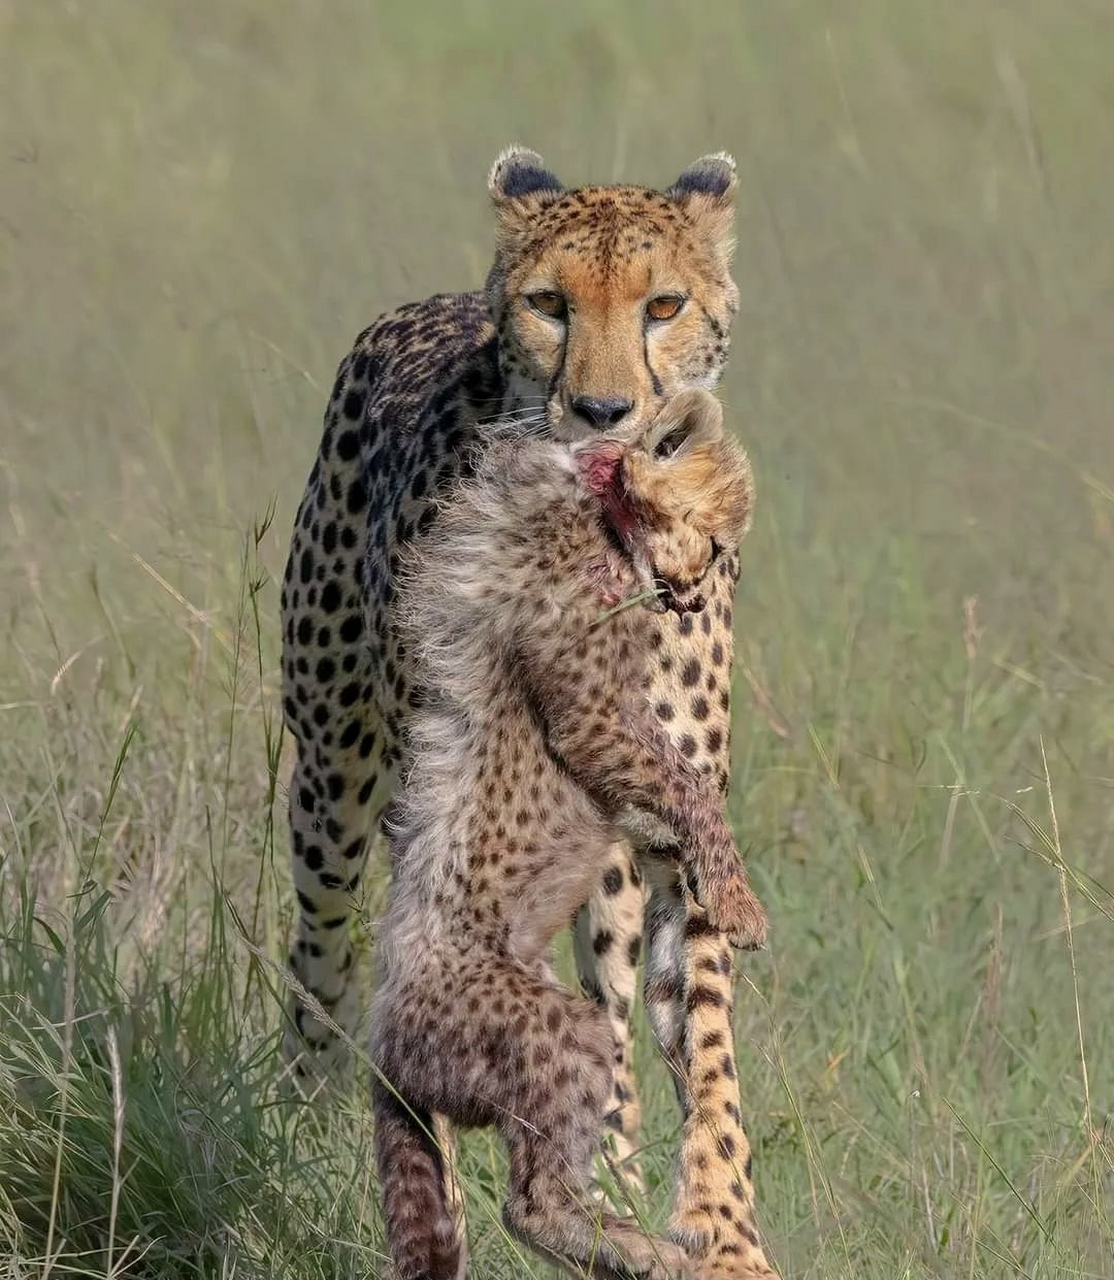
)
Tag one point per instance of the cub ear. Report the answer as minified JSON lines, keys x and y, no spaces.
{"x":712,"y":178}
{"x":518,"y":172}
{"x":689,"y":419}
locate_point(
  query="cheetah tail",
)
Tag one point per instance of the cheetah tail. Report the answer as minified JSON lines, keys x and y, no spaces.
{"x":422,"y":1231}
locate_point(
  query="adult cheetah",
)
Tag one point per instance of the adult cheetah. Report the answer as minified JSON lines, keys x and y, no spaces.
{"x":536,"y":745}
{"x":602,"y":303}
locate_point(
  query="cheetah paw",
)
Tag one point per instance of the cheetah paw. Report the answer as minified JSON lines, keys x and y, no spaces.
{"x":714,"y":1259}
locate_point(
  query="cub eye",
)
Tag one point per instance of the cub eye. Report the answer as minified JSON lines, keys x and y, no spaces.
{"x":665,"y":307}
{"x":549,"y":302}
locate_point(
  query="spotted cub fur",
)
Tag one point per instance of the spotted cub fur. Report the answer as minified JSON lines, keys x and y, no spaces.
{"x":536,"y":745}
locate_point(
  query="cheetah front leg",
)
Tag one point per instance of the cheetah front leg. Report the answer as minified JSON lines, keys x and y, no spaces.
{"x":607,"y":939}
{"x":689,"y":997}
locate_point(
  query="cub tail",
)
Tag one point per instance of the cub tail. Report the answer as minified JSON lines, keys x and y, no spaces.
{"x":420,"y":1199}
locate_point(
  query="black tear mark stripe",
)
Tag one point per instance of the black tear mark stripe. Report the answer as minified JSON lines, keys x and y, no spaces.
{"x":558,"y":373}
{"x":655,"y":381}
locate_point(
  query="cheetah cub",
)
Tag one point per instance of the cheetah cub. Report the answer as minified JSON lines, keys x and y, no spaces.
{"x":536,"y":750}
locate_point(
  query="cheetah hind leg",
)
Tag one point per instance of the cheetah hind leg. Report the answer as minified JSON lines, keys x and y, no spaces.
{"x":453,"y":1191}
{"x":336,"y":797}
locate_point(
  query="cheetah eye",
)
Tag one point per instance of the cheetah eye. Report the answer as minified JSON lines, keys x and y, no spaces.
{"x":549,"y":303}
{"x":665,"y":307}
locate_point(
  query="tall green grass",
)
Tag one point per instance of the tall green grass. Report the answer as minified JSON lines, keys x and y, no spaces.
{"x":201,"y":205}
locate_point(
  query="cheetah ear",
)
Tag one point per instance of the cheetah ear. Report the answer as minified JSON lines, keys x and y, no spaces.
{"x":518,"y":172}
{"x":711,"y":179}
{"x":706,"y":192}
{"x":689,"y":419}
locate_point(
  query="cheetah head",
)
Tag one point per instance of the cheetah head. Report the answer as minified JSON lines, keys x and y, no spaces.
{"x":609,"y":300}
{"x":675,"y":495}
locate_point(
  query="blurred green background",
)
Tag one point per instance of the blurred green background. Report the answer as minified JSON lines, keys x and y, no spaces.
{"x":200,"y":205}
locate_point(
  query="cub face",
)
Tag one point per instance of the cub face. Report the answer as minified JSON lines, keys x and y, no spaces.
{"x":610,"y":300}
{"x":676,"y":494}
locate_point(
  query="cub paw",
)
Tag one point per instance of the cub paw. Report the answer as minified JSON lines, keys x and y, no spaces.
{"x":733,"y":908}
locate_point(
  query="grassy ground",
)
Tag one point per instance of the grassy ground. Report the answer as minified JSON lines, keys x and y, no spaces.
{"x":201,"y":204}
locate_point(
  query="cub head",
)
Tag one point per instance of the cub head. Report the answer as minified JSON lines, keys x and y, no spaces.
{"x":675,"y":495}
{"x":609,"y":300}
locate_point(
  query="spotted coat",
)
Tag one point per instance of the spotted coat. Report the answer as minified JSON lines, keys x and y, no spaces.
{"x":420,"y":390}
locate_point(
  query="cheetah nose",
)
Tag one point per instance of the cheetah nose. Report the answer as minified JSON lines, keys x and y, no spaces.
{"x":602,"y":411}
